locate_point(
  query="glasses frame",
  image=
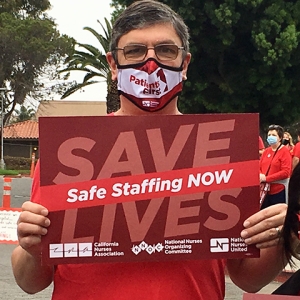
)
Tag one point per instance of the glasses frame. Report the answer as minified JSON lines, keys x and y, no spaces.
{"x":149,"y":48}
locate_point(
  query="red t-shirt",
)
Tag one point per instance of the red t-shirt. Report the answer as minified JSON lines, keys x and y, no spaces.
{"x":280,"y":167}
{"x":296,"y":150}
{"x":176,"y":280}
{"x":261,"y":145}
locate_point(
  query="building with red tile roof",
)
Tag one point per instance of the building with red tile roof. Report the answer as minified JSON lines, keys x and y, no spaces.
{"x":21,"y":139}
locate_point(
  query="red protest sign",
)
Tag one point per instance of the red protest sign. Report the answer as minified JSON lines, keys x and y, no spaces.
{"x":136,"y":188}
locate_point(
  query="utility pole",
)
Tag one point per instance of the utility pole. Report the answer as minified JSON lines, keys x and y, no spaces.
{"x":2,"y":163}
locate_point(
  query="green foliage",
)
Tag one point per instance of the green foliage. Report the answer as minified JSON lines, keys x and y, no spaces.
{"x":17,"y":163}
{"x":92,"y":62}
{"x":23,"y":114}
{"x":118,"y":8}
{"x":17,"y":173}
{"x":32,"y":8}
{"x":245,"y":57}
{"x":31,"y":50}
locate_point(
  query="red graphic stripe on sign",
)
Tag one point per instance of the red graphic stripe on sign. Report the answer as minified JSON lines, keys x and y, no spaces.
{"x":150,"y":185}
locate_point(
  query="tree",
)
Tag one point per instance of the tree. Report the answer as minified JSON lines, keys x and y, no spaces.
{"x":246,"y":57}
{"x":23,"y":114}
{"x":92,"y":61}
{"x":31,"y":51}
{"x":31,"y":8}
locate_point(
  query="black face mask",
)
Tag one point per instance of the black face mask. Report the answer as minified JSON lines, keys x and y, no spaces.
{"x":285,"y":142}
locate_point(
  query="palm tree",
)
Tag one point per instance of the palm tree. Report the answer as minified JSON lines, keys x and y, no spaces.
{"x":93,"y":62}
{"x":24,"y":114}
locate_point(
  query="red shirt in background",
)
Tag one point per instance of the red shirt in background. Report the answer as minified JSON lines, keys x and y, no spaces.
{"x":296,"y":150}
{"x":261,"y":144}
{"x":280,"y":167}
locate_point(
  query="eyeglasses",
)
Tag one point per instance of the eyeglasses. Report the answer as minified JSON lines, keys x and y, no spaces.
{"x":164,"y":52}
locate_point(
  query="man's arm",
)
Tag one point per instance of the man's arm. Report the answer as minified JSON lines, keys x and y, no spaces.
{"x":28,"y":272}
{"x":30,"y":275}
{"x":251,"y":274}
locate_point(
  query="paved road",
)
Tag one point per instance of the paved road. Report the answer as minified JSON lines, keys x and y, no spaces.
{"x":10,"y":291}
{"x":20,"y":190}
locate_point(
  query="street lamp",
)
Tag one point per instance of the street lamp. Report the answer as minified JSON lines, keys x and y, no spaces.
{"x":2,"y":163}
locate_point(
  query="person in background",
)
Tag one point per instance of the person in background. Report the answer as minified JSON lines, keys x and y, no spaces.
{"x":275,"y":164}
{"x":288,"y":141}
{"x":296,"y":152}
{"x":261,"y":146}
{"x":291,"y":229}
{"x":148,"y":35}
{"x":291,"y":236}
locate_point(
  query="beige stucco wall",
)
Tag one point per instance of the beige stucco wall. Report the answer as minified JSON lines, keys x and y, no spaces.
{"x":57,"y":108}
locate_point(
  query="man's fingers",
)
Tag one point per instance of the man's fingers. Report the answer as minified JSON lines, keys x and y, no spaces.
{"x":26,"y":229}
{"x":267,"y":236}
{"x":32,"y":218}
{"x":274,"y":211}
{"x":34,"y":208}
{"x":32,"y":224}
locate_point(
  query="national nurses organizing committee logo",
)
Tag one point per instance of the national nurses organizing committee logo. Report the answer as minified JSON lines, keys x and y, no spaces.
{"x":219,"y":245}
{"x":71,"y":250}
{"x":150,"y":249}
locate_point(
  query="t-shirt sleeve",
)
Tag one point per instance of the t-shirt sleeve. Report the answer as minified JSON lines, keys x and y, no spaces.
{"x":35,"y":188}
{"x":296,"y":151}
{"x":260,"y":143}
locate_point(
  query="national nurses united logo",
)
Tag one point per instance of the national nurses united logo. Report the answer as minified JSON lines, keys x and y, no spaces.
{"x":219,"y":245}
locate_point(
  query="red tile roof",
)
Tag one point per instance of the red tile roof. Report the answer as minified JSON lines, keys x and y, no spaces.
{"x":22,"y":130}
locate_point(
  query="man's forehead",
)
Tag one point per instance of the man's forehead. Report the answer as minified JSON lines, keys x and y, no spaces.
{"x":151,"y":35}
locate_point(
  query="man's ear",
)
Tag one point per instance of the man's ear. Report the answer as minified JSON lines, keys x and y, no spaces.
{"x":113,"y":66}
{"x":186,"y":63}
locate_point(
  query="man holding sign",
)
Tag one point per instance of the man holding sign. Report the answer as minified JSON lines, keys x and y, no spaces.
{"x":149,"y":57}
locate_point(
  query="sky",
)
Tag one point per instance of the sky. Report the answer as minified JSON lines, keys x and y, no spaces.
{"x":71,"y":17}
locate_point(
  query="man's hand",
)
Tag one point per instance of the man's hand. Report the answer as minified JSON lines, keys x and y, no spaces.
{"x":32,"y":224}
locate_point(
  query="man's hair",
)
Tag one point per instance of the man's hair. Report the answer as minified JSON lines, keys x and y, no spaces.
{"x":143,"y":14}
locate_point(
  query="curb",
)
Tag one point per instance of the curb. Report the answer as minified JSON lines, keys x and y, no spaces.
{"x":16,"y":176}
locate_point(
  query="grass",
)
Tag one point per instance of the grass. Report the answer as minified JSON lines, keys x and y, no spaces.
{"x":14,"y":172}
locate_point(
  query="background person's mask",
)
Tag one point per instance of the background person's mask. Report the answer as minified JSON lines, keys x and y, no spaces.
{"x":150,"y":85}
{"x":272,"y":140}
{"x":285,"y":142}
